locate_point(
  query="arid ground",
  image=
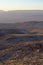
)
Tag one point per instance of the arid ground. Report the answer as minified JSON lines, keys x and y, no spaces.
{"x":21,"y":44}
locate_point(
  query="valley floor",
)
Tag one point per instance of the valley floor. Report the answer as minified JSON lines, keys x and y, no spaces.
{"x":21,"y":49}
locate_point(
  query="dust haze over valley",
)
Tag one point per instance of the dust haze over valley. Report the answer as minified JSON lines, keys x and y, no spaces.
{"x":20,"y":16}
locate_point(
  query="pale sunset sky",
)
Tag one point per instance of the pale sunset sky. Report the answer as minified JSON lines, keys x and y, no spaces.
{"x":21,"y":5}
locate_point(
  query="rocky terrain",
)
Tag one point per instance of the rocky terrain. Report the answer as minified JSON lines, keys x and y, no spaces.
{"x":21,"y":46}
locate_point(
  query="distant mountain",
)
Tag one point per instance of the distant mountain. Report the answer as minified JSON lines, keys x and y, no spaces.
{"x":20,"y":16}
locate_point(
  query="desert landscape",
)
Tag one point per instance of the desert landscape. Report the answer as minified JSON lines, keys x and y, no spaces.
{"x":21,"y":43}
{"x":21,"y":32}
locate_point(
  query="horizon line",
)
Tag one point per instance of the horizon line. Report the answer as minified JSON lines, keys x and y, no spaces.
{"x":21,"y":10}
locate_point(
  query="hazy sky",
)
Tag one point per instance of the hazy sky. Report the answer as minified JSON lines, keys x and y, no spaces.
{"x":21,"y":5}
